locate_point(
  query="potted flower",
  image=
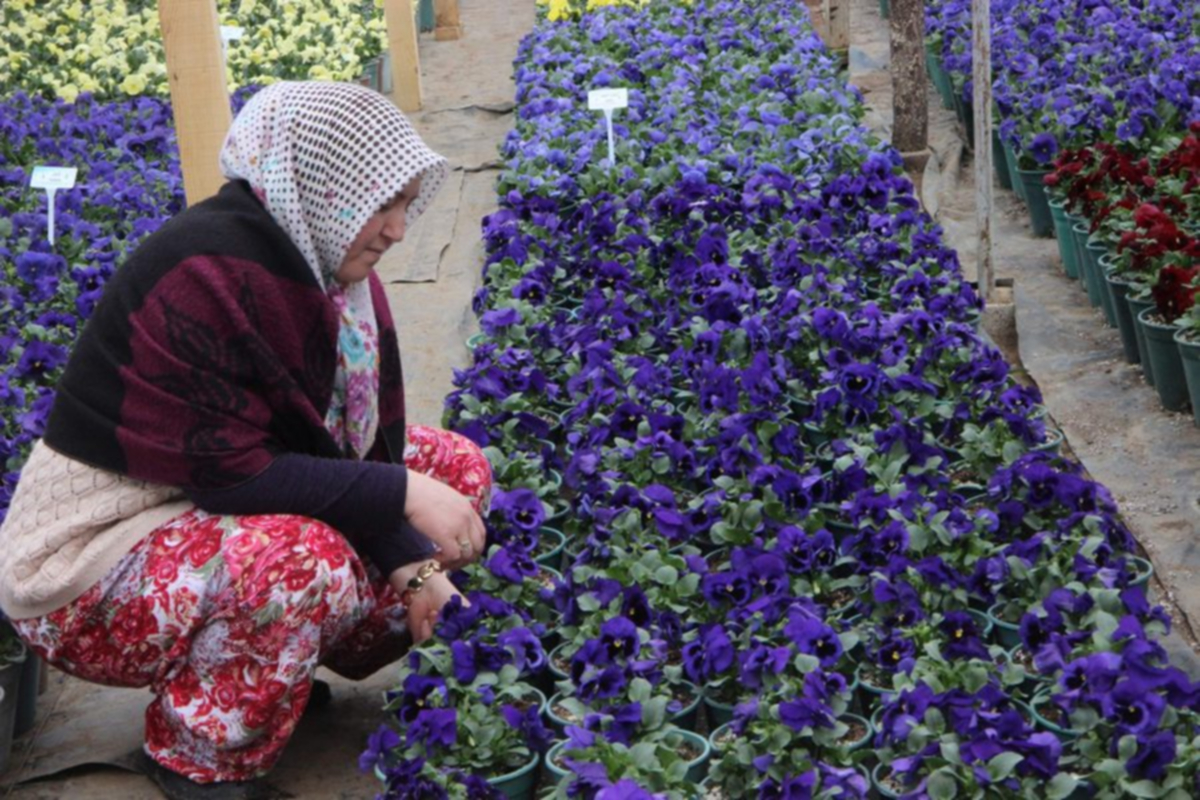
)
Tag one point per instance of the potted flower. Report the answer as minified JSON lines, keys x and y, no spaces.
{"x":1187,"y":339}
{"x":668,"y":763}
{"x":967,"y":743}
{"x":485,"y":725}
{"x":796,"y":732}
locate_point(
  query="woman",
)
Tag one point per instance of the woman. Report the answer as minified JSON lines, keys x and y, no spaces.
{"x":220,"y":504}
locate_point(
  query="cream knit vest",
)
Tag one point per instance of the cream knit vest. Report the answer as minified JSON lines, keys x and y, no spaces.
{"x":68,"y":525}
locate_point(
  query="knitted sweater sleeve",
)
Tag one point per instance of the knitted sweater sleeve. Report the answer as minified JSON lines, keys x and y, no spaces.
{"x":363,"y":500}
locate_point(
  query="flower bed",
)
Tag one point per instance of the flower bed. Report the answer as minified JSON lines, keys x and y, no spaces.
{"x":738,"y":370}
{"x":62,"y":48}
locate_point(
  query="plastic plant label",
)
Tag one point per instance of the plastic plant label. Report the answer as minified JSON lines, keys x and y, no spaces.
{"x":231,"y":32}
{"x":607,"y":99}
{"x":52,"y":179}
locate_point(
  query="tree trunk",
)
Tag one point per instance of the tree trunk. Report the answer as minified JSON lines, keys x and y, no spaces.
{"x":910,"y":126}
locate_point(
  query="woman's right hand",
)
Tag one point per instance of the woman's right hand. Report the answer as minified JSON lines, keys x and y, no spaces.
{"x":446,"y":518}
{"x":425,"y":605}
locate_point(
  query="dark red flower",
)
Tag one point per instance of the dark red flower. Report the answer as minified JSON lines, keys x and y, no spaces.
{"x":1175,"y":291}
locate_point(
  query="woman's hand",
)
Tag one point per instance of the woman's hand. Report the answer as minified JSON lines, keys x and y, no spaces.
{"x":446,"y":518}
{"x":425,"y":605}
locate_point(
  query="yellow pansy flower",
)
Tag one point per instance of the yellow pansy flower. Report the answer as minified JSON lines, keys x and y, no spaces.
{"x":133,"y":85}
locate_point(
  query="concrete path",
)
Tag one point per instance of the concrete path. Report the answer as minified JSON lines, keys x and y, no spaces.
{"x":468,"y":92}
{"x":1147,"y":457}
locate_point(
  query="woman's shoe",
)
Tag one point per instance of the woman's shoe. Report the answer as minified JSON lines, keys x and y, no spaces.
{"x":178,"y":787}
{"x":320,"y":696}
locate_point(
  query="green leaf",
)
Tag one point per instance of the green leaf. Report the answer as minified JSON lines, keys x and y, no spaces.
{"x":643,"y":756}
{"x":666,"y":575}
{"x":1061,"y":786}
{"x":1000,"y":767}
{"x":1144,"y":788}
{"x":942,"y":785}
{"x":975,"y":677}
{"x":1012,"y":451}
{"x":1127,"y":747}
{"x":654,"y":713}
{"x":639,"y":690}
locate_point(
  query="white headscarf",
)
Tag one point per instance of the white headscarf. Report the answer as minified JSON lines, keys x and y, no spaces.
{"x":323,"y":158}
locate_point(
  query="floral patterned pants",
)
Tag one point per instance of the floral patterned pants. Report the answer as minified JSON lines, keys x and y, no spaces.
{"x":226,"y":618}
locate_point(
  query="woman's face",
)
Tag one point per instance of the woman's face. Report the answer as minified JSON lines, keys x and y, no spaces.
{"x":384,"y":229}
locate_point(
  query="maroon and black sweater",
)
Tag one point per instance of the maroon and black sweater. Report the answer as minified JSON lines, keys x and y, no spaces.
{"x":209,"y":365}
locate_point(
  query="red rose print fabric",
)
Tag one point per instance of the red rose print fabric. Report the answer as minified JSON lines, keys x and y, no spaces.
{"x":226,"y":618}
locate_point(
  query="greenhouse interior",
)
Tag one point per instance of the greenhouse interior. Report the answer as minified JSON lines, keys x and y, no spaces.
{"x":600,"y":399}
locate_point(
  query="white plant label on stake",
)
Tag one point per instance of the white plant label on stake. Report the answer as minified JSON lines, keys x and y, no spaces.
{"x":52,"y":179}
{"x":608,"y":100}
{"x":228,"y":34}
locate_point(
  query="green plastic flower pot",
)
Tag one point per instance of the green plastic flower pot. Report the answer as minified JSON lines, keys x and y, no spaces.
{"x":425,"y":16}
{"x":1039,"y":707}
{"x":862,"y":742}
{"x":1136,"y":307}
{"x":1033,"y":679}
{"x":1006,"y":634}
{"x":885,"y":8}
{"x":1096,"y":252}
{"x":1189,"y":355}
{"x":10,"y":682}
{"x":716,"y":736}
{"x":1143,"y":570}
{"x":1037,"y":202}
{"x":941,"y":81}
{"x":1126,"y":325}
{"x":1065,"y":238}
{"x":685,"y":719}
{"x":687,"y":716}
{"x":27,"y":694}
{"x":1081,"y":232}
{"x":1052,"y":442}
{"x":698,"y":766}
{"x":879,"y":776}
{"x":1091,"y":268}
{"x":966,"y":113}
{"x":518,"y":784}
{"x":555,"y":654}
{"x":1164,"y":355}
{"x":869,"y":693}
{"x":718,"y":713}
{"x":1000,"y":162}
{"x":553,"y":557}
{"x":553,"y":771}
{"x":1011,"y":157}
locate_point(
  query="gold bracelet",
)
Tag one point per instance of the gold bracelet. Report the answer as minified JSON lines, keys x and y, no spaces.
{"x":417,"y":582}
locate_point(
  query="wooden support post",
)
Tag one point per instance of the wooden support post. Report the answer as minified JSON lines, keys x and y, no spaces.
{"x":445,"y":13}
{"x":816,"y":12}
{"x":837,"y":16}
{"x":402,"y":43}
{"x":199,"y":97}
{"x":910,"y":87}
{"x":981,"y":57}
